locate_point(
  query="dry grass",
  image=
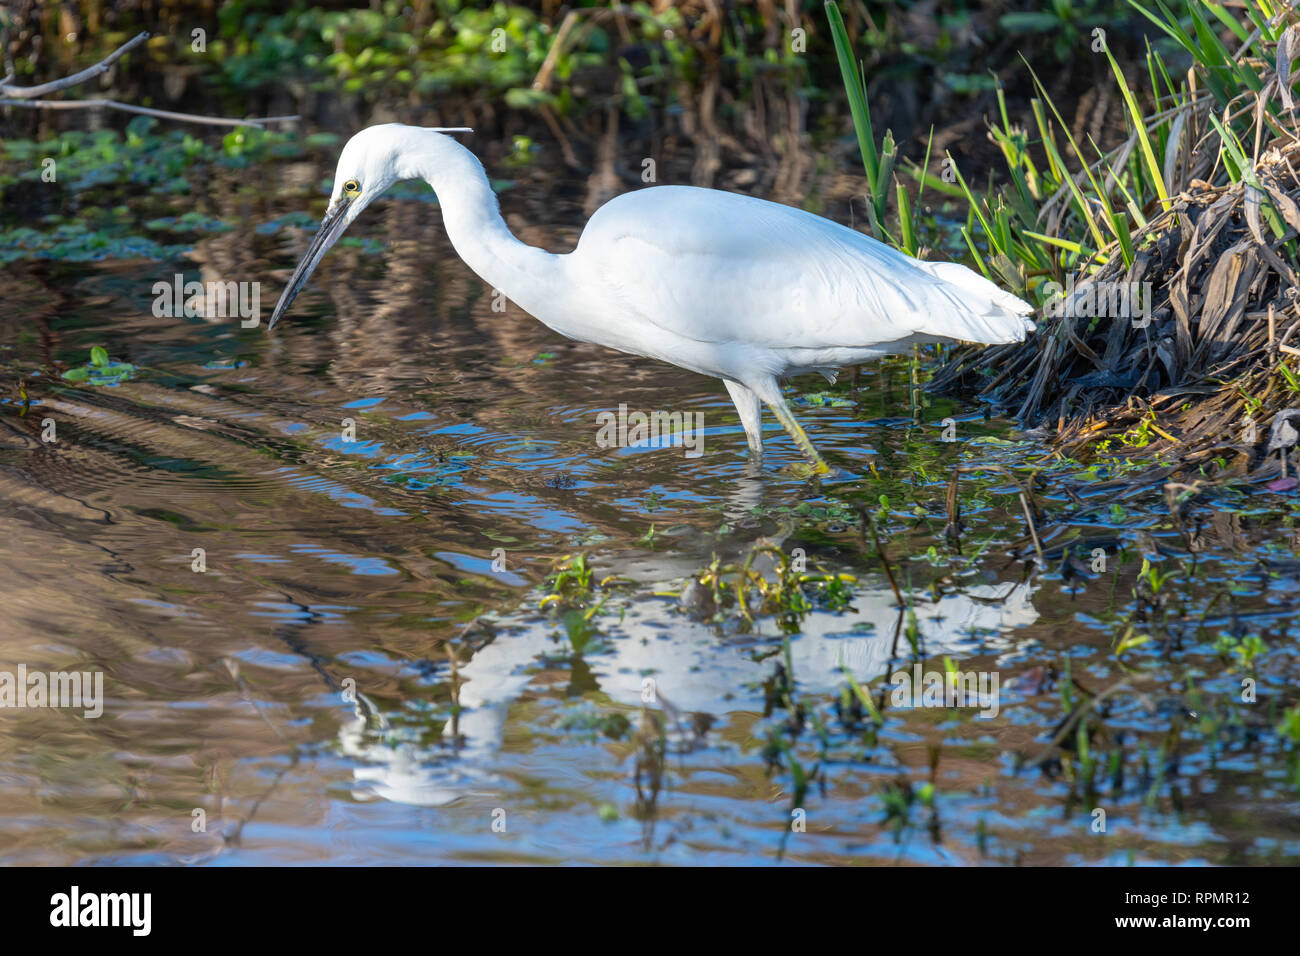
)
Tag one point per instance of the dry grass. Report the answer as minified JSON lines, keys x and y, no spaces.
{"x":1206,"y":377}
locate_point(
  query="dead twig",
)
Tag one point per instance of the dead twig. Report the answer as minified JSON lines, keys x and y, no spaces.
{"x":32,"y":92}
{"x":147,"y":111}
{"x":30,"y":97}
{"x":1033,"y":530}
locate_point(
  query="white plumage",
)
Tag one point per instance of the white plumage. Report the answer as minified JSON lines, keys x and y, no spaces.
{"x":738,"y":288}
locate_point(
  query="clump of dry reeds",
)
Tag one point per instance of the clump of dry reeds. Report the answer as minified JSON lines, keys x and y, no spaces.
{"x":1166,"y":269}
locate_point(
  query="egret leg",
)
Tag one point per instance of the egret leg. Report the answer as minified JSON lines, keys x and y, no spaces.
{"x":770,"y":392}
{"x":751,"y":416}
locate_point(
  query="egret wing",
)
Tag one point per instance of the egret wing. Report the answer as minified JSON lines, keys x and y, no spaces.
{"x":720,"y":267}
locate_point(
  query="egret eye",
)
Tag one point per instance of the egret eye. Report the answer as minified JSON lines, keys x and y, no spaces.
{"x":352,"y":186}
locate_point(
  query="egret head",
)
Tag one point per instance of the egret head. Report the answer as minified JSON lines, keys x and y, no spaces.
{"x":372,"y":160}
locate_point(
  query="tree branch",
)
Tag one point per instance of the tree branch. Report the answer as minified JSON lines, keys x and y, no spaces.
{"x":31,"y":92}
{"x":29,"y":96}
{"x":146,"y":111}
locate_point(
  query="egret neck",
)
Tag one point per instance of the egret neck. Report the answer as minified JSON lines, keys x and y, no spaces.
{"x":532,"y":278}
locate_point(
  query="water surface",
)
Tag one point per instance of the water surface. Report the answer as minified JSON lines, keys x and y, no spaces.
{"x":354,"y":678}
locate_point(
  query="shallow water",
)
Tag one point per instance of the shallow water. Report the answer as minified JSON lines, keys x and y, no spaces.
{"x":350,"y":679}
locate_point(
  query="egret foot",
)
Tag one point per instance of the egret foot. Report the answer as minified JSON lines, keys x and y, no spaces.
{"x":786,"y":418}
{"x":804,"y":470}
{"x":772,"y":395}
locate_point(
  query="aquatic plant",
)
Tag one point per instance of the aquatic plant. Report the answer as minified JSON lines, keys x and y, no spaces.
{"x":100,"y":370}
{"x":721,"y":590}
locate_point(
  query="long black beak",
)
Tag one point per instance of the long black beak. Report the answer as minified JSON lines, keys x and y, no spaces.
{"x":331,"y":228}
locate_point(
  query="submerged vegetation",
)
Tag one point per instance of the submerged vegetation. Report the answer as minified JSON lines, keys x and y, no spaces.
{"x":744,"y":591}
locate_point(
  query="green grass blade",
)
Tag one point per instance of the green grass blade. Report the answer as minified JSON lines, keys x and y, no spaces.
{"x":857,"y":99}
{"x":1144,"y":141}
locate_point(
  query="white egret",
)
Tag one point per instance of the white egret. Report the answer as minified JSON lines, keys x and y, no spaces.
{"x":742,"y":289}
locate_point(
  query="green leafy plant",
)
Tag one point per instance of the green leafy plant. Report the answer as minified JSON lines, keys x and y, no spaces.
{"x":100,"y":370}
